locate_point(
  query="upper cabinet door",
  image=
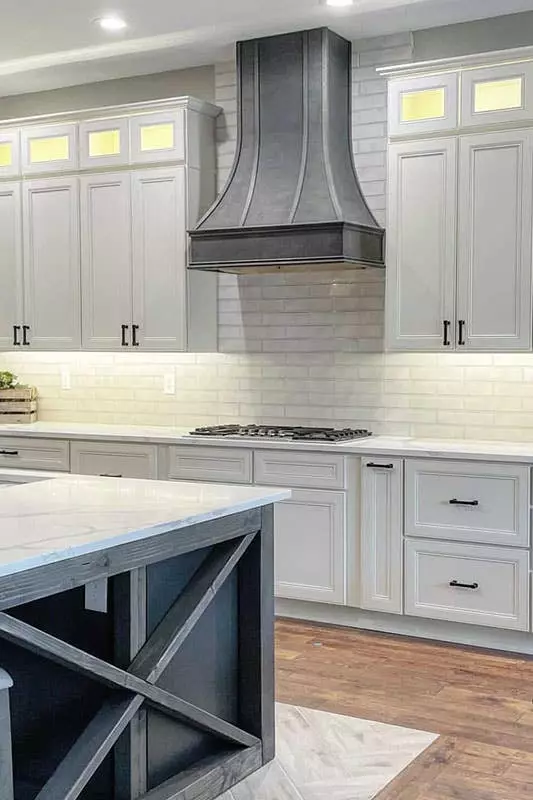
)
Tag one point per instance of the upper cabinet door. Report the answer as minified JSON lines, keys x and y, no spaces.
{"x":497,"y":94}
{"x":421,"y":245}
{"x":494,"y":252}
{"x":10,"y":264}
{"x":106,"y":261}
{"x":157,"y":137}
{"x":422,"y":105}
{"x":50,"y":148}
{"x":159,"y":258}
{"x":52,"y":264}
{"x":9,"y":153}
{"x":104,"y":143}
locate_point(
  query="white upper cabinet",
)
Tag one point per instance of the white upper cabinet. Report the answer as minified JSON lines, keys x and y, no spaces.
{"x":494,"y":253}
{"x":10,"y":264}
{"x":159,"y":259}
{"x":421,"y":245}
{"x":104,"y":143}
{"x":157,"y":137}
{"x":423,"y":104}
{"x":106,"y":261}
{"x":499,"y":94}
{"x":51,"y":264}
{"x":9,"y":153}
{"x":49,"y":148}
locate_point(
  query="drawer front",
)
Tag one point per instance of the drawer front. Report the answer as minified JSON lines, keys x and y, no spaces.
{"x":22,"y":453}
{"x":309,"y":470}
{"x":116,"y":461}
{"x":467,"y":583}
{"x":213,"y":464}
{"x":467,"y":501}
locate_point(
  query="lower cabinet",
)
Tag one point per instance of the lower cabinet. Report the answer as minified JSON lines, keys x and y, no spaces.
{"x":381,"y":565}
{"x":124,"y":460}
{"x":310,"y":546}
{"x":477,"y":584}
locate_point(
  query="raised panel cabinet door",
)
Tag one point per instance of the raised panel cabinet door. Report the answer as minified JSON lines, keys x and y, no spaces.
{"x":421,"y":245}
{"x":156,"y":137}
{"x":9,"y":153}
{"x":381,"y":535}
{"x":423,"y":104}
{"x":160,"y":259}
{"x":494,"y":249}
{"x":10,"y":264}
{"x":106,"y":261}
{"x":310,"y":539}
{"x":52,"y":264}
{"x":49,"y":148}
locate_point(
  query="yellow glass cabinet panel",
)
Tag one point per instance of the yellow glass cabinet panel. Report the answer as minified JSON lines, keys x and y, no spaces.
{"x":425,"y":104}
{"x":157,"y":137}
{"x":50,"y":148}
{"x":6,"y":154}
{"x":498,"y":95}
{"x":104,"y":143}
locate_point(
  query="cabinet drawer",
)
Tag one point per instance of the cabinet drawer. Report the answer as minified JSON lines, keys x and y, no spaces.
{"x":217,"y":464}
{"x":22,"y":453}
{"x":467,"y":501}
{"x":114,"y":460}
{"x":468,"y":583}
{"x":311,"y":470}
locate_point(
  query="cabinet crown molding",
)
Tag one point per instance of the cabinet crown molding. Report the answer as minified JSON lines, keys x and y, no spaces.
{"x":457,"y":63}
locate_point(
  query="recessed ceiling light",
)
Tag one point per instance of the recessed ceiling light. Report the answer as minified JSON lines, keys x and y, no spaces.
{"x":339,"y":3}
{"x":111,"y":23}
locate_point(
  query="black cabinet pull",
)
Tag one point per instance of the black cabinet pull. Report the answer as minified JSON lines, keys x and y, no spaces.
{"x":447,"y":325}
{"x":9,"y":452}
{"x":462,"y":325}
{"x":371,"y":465}
{"x":134,"y":329}
{"x":16,"y":329}
{"x":25,"y":331}
{"x":108,"y":475}
{"x":458,"y":585}
{"x":124,"y":332}
{"x":463,"y":502}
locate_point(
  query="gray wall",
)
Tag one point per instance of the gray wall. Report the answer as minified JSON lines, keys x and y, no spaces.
{"x":197,"y":82}
{"x":482,"y":36}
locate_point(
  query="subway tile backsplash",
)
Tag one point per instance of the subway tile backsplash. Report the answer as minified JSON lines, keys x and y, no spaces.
{"x":300,"y":349}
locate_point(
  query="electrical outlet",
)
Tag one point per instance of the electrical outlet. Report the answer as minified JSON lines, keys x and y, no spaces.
{"x":169,"y":383}
{"x":66,"y":382}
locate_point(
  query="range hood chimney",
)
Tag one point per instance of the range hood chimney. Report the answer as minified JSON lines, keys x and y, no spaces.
{"x":293,"y":200}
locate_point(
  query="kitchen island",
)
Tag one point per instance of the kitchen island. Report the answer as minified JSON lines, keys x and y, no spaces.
{"x":136,"y":638}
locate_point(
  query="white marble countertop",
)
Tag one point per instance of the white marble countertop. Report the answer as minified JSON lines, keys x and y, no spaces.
{"x":512,"y":452}
{"x":54,"y":520}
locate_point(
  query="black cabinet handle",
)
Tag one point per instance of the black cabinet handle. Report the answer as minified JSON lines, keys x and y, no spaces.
{"x":25,"y":331}
{"x":134,"y":329}
{"x":458,"y":585}
{"x":371,"y":465}
{"x":124,"y":332}
{"x":463,"y":502}
{"x":447,"y":325}
{"x":16,"y":329}
{"x":9,"y":452}
{"x":462,"y":325}
{"x":108,"y":475}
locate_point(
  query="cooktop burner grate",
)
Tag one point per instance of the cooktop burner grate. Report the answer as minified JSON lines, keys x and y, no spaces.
{"x":291,"y":433}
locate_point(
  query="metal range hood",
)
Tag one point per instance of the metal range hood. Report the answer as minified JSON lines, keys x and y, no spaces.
{"x":293,"y":199}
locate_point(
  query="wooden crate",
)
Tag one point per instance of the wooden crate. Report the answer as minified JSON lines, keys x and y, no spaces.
{"x":18,"y":405}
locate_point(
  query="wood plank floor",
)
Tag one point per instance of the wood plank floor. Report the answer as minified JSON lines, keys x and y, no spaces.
{"x":480,"y":703}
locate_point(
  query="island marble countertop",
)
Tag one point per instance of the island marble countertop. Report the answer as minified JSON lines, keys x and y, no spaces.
{"x":54,"y":520}
{"x":399,"y":446}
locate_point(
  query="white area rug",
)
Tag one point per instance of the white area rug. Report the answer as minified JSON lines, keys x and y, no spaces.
{"x":322,"y":756}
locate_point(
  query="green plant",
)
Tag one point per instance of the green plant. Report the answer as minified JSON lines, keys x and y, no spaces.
{"x":8,"y":380}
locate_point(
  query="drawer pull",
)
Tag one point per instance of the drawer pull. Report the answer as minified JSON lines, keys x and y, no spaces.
{"x":371,"y":465}
{"x":9,"y":452}
{"x":463,"y":502}
{"x":458,"y":585}
{"x":109,"y":475}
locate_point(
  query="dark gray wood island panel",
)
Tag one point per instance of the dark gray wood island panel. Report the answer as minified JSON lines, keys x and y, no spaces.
{"x":166,"y":692}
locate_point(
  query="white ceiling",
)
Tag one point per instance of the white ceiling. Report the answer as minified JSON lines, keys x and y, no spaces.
{"x":44,"y":45}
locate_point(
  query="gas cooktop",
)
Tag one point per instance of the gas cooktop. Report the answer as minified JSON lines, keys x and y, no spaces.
{"x":289,"y":433}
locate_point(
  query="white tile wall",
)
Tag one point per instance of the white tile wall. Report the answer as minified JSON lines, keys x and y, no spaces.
{"x":301,"y":349}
